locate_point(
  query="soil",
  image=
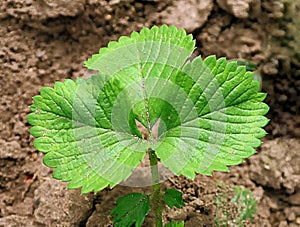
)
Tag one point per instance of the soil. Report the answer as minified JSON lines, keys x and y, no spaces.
{"x":46,"y":41}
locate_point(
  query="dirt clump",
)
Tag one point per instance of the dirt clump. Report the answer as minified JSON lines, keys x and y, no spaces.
{"x":198,"y":14}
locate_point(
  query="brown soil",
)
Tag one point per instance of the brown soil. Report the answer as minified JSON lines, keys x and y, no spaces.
{"x":48,"y":40}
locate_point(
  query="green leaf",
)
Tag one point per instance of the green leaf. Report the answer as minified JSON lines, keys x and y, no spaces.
{"x":131,"y":209}
{"x":200,"y":116}
{"x":175,"y":224}
{"x":173,"y":197}
{"x":220,"y":119}
{"x":87,"y":127}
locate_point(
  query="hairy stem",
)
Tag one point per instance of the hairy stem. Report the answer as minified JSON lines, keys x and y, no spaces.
{"x":156,"y":196}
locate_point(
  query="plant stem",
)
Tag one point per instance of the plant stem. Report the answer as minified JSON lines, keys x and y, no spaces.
{"x":156,"y":196}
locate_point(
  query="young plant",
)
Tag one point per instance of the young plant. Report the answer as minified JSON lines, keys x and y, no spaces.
{"x":234,"y":210}
{"x":148,"y":98}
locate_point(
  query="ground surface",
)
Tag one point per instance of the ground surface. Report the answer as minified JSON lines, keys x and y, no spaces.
{"x":46,"y":41}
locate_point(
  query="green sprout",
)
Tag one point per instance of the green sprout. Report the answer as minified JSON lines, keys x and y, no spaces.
{"x":148,"y":99}
{"x":234,"y":210}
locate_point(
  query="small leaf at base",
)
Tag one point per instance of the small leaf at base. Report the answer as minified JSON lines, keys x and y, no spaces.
{"x":131,"y":209}
{"x":173,"y":197}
